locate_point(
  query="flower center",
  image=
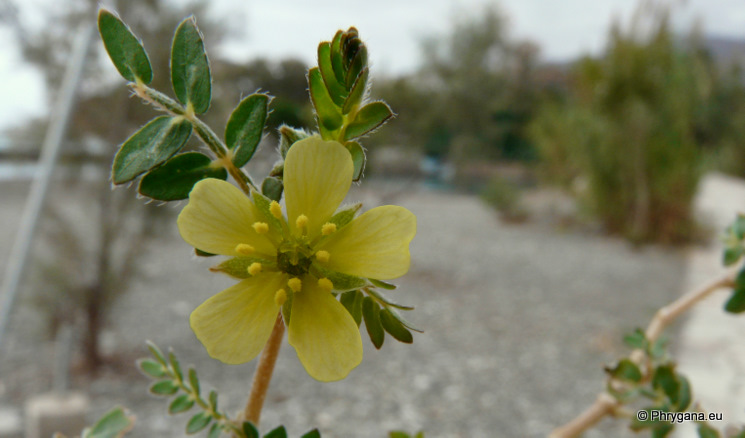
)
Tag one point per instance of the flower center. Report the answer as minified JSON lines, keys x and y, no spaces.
{"x":294,"y":258}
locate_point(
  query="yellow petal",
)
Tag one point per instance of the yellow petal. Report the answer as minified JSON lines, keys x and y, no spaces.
{"x":317,"y":177}
{"x":219,"y":217}
{"x":374,"y":245}
{"x":325,"y":337}
{"x":235,"y":324}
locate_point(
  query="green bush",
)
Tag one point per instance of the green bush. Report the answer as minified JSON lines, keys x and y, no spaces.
{"x":504,"y":196}
{"x":627,"y":129}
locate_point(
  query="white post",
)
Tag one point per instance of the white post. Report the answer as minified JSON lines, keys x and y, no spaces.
{"x":58,"y":121}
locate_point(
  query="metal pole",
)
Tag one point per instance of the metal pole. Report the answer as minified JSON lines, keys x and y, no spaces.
{"x":59,"y":119}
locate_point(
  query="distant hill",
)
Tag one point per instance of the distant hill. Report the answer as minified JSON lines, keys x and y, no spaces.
{"x":726,"y":50}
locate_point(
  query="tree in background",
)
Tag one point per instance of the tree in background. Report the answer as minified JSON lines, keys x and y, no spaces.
{"x":285,"y":79}
{"x":721,"y":121}
{"x":628,"y":128}
{"x":473,"y":96}
{"x":78,"y":283}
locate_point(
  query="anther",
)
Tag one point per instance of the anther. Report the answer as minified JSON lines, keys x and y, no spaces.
{"x":261,"y":227}
{"x":301,"y":222}
{"x":255,"y":268}
{"x":280,"y":297}
{"x":325,"y":284}
{"x":244,"y":249}
{"x":295,"y":284}
{"x":275,"y":209}
{"x":323,"y":256}
{"x":328,"y":228}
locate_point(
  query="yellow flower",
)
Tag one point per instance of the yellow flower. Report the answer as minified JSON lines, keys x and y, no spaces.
{"x":298,"y":261}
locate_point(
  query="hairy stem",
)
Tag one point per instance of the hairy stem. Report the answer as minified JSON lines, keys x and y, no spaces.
{"x":606,"y":404}
{"x":263,"y":374}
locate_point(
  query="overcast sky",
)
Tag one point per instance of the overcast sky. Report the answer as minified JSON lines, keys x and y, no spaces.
{"x":391,"y":29}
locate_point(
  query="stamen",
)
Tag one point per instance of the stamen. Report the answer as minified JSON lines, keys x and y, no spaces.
{"x":276,"y":209}
{"x":255,"y":268}
{"x":302,"y":222}
{"x":261,"y":227}
{"x":280,"y":297}
{"x":295,"y":284}
{"x":244,"y":249}
{"x":328,"y":228}
{"x":325,"y":284}
{"x":323,"y":256}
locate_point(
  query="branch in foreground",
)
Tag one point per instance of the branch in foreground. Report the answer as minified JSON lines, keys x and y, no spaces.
{"x":606,"y":404}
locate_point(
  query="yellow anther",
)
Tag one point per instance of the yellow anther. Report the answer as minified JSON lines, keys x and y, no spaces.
{"x":323,"y":256}
{"x":244,"y":249}
{"x":301,"y":222}
{"x":325,"y":284}
{"x":295,"y":284}
{"x":255,"y":268}
{"x":275,"y":209}
{"x":280,"y":297}
{"x":261,"y":227}
{"x":328,"y":228}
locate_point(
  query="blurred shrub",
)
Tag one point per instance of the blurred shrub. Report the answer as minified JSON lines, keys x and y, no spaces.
{"x":628,"y":128}
{"x":504,"y":196}
{"x":473,"y":96}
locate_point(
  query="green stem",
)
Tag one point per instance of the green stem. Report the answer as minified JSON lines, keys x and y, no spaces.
{"x":223,"y":154}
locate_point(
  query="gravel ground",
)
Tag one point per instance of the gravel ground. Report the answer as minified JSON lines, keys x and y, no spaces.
{"x":519,"y":321}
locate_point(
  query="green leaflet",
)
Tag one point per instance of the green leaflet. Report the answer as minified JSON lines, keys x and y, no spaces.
{"x":278,"y":432}
{"x":626,"y":370}
{"x":153,"y":144}
{"x":194,"y":381}
{"x":706,"y":431}
{"x":393,"y":326}
{"x":358,"y":159}
{"x":311,"y":434}
{"x":370,"y":117}
{"x":357,"y":92}
{"x":336,"y":90}
{"x":246,"y":127}
{"x":345,"y":216}
{"x":215,"y":431}
{"x":151,"y":368}
{"x":164,"y":387}
{"x":175,"y":179}
{"x":732,"y":255}
{"x":124,"y":49}
{"x":175,"y":366}
{"x":198,"y":422}
{"x":387,"y":301}
{"x":250,"y":430}
{"x":328,"y":114}
{"x":371,"y":314}
{"x":736,"y":303}
{"x":190,"y":68}
{"x":382,"y":284}
{"x":289,"y":136}
{"x":336,"y":57}
{"x":664,"y":378}
{"x":352,"y":301}
{"x":180,"y":404}
{"x":114,"y":424}
{"x":272,"y":188}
